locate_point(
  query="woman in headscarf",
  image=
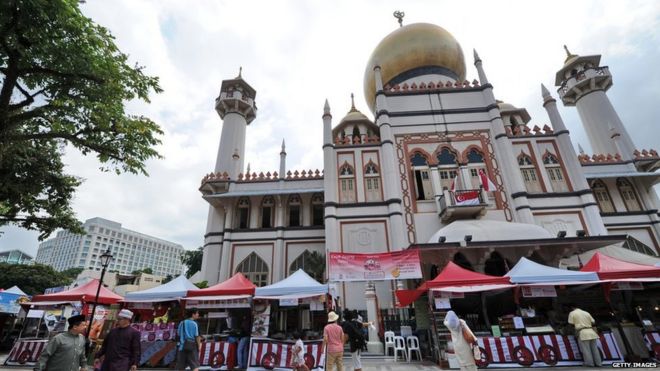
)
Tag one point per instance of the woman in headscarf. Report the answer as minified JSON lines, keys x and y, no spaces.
{"x":462,"y":348}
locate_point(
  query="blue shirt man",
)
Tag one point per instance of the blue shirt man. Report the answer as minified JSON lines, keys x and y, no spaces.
{"x":190,"y":342}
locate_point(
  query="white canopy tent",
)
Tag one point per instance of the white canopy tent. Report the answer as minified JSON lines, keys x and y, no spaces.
{"x":173,"y":290}
{"x":15,"y":290}
{"x":296,"y":286}
{"x":616,"y":251}
{"x":529,"y":272}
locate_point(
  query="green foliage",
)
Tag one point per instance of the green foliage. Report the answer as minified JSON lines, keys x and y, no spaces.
{"x":64,"y":83}
{"x":202,"y":284}
{"x":72,"y":273}
{"x":32,"y":279}
{"x":143,"y":270}
{"x":167,"y":279}
{"x":193,"y":260}
{"x":315,"y":265}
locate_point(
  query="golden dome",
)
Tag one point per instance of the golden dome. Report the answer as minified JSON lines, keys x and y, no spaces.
{"x":412,"y":47}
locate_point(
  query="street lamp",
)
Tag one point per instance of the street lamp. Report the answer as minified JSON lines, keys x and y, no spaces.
{"x":105,"y":259}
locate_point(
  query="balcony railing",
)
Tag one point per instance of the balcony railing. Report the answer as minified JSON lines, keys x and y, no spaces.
{"x":462,"y":204}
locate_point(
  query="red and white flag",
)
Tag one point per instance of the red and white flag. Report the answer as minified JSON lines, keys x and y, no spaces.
{"x":453,"y":183}
{"x":464,"y":198}
{"x":488,"y":185}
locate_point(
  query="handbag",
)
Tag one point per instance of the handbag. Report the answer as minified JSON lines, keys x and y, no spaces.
{"x":472,"y":341}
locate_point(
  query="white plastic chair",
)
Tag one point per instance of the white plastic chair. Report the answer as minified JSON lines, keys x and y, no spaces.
{"x":389,"y":342}
{"x":413,"y":346}
{"x":406,"y":331}
{"x":400,"y":346}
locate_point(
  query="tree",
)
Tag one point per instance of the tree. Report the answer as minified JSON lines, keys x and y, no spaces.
{"x":193,"y":260}
{"x":72,"y":273}
{"x":64,"y":83}
{"x":202,"y":284}
{"x":315,"y":265}
{"x":143,"y":270}
{"x":167,"y":279}
{"x":32,"y":279}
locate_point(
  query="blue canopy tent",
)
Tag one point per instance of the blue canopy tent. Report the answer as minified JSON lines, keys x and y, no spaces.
{"x":297,"y":285}
{"x":529,"y":272}
{"x":173,"y":290}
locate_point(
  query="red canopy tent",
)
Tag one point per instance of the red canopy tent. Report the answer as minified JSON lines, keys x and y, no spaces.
{"x":451,"y":275}
{"x":238,"y":284}
{"x":85,"y":294}
{"x":609,"y":268}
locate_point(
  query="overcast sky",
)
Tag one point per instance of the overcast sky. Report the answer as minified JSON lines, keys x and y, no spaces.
{"x":298,"y":53}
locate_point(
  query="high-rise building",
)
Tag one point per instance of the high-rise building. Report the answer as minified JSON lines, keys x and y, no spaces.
{"x":131,"y":250}
{"x":16,"y":257}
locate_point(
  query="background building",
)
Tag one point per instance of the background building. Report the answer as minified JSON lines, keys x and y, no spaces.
{"x":131,"y":250}
{"x":15,"y":257}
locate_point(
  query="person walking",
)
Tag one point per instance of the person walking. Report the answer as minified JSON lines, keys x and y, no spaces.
{"x":463,"y":340}
{"x":298,"y":356}
{"x":189,"y":342}
{"x":333,"y":340}
{"x":66,"y":351}
{"x":121,"y":347}
{"x":586,"y":335}
{"x":353,"y":330}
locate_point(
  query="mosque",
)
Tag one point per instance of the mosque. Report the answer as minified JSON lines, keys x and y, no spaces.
{"x":439,"y":164}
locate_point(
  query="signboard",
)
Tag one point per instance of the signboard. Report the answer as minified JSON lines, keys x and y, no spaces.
{"x":208,"y":304}
{"x":10,"y":303}
{"x":442,"y":303}
{"x":619,"y":286}
{"x":35,"y":313}
{"x":518,"y":322}
{"x":539,"y":292}
{"x":288,"y":302}
{"x":374,"y":267}
{"x":452,"y":295}
{"x":54,"y":290}
{"x":260,"y":319}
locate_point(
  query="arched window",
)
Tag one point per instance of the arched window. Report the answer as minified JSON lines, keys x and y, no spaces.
{"x":475,"y":163}
{"x":628,"y":194}
{"x":420,"y":167}
{"x":267,"y":211}
{"x":555,"y":173}
{"x":313,"y":263}
{"x":294,"y":211}
{"x":317,"y":209}
{"x":602,"y":196}
{"x":461,"y":261}
{"x":447,"y":167}
{"x":347,"y":184}
{"x":528,"y":171}
{"x":255,"y":269}
{"x":372,"y":182}
{"x":356,"y":133}
{"x":243,"y":213}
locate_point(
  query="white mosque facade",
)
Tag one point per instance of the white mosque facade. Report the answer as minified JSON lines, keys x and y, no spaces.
{"x":396,"y":181}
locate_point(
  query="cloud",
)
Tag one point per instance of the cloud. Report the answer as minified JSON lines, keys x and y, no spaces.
{"x":296,"y":54}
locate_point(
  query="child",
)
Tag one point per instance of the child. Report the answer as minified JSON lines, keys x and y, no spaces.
{"x":298,"y":357}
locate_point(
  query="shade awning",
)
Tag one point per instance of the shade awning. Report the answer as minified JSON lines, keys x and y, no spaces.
{"x":85,"y":293}
{"x":527,"y":271}
{"x":238,"y":284}
{"x":299,"y":283}
{"x":609,"y":268}
{"x":173,"y":290}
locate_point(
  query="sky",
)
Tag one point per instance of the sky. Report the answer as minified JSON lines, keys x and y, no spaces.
{"x":296,"y":54}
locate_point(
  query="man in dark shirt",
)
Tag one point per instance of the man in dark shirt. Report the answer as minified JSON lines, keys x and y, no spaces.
{"x":121,"y":347}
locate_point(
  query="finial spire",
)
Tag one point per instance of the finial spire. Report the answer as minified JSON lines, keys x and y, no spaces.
{"x":352,"y":102}
{"x":580,"y":149}
{"x":568,"y":54}
{"x":544,"y":91}
{"x":248,"y":169}
{"x":240,"y":71}
{"x":399,"y":15}
{"x":326,"y":107}
{"x":283,"y":145}
{"x":476,"y":56}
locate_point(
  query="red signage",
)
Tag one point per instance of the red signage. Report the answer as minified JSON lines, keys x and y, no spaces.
{"x":374,"y":267}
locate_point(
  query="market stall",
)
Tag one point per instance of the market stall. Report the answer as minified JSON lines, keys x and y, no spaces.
{"x":300,"y":302}
{"x":157,"y":310}
{"x":46,"y":316}
{"x":227,"y":318}
{"x":10,"y":306}
{"x":639,"y":314}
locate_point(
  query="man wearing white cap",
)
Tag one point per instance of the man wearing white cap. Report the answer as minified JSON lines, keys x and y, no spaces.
{"x":121,"y":347}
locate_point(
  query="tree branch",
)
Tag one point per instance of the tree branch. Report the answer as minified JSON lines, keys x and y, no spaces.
{"x":29,"y":98}
{"x":49,"y":71}
{"x":73,"y":138}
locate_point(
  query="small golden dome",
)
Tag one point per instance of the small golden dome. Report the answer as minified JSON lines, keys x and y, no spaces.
{"x":411,"y":47}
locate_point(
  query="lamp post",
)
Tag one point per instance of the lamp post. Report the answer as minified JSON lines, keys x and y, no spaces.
{"x":105,"y":258}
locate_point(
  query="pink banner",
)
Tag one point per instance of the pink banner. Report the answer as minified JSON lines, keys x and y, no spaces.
{"x":375,"y":267}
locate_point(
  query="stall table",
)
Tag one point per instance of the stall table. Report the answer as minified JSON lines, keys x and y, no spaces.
{"x":26,"y":352}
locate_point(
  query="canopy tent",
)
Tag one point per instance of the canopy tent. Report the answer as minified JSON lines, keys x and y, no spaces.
{"x":297,"y":285}
{"x":529,"y":272}
{"x":85,"y":293}
{"x":173,"y":290}
{"x":454,"y":276}
{"x":616,"y":251}
{"x":609,"y":268}
{"x":238,"y":284}
{"x":15,"y":290}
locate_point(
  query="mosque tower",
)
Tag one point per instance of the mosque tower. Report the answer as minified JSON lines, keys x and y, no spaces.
{"x":582,"y":83}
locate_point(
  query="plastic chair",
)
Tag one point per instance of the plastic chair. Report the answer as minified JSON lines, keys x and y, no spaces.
{"x":406,"y":331}
{"x":413,"y":346}
{"x":389,"y":342}
{"x":400,"y":346}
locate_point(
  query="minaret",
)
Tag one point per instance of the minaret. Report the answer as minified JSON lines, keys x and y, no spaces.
{"x":282,"y":160}
{"x":582,"y":83}
{"x":237,"y":108}
{"x":483,"y":80}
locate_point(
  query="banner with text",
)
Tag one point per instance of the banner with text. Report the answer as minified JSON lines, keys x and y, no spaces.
{"x":375,"y":267}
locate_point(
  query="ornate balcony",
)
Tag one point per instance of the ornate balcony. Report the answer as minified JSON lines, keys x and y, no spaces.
{"x":462,"y":204}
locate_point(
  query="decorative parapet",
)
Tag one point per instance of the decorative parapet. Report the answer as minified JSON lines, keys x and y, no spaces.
{"x":646,"y":155}
{"x":216,"y":177}
{"x":600,"y":159}
{"x":295,"y":175}
{"x":524,"y":131}
{"x":351,"y":140}
{"x":431,"y":86}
